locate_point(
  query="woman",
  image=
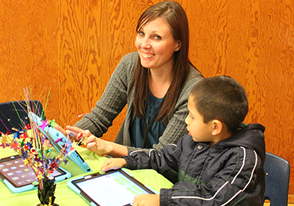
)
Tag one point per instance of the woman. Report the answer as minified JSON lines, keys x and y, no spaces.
{"x":154,"y":82}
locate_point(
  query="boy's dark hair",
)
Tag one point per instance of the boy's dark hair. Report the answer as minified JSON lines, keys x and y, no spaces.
{"x":221,"y":98}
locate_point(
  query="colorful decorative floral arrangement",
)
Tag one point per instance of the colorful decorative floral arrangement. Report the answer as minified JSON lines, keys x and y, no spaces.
{"x":28,"y":142}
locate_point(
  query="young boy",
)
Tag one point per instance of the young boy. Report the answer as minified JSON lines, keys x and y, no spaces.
{"x":220,"y":161}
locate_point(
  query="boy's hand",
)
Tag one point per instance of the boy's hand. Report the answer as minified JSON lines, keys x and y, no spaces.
{"x":113,"y":163}
{"x":146,"y":199}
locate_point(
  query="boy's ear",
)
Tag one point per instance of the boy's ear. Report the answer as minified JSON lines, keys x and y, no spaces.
{"x":217,"y":127}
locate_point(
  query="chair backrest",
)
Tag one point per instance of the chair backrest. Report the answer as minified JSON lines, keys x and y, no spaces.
{"x":14,"y":114}
{"x":277,"y":173}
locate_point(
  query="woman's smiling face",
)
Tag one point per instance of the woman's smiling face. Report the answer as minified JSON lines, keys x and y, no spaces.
{"x":156,"y":44}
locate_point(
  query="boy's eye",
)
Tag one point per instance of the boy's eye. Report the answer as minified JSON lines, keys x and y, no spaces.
{"x":191,"y":116}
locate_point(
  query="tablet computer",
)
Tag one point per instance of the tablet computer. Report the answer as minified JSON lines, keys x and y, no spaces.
{"x":115,"y":188}
{"x":19,"y":177}
{"x":58,"y":139}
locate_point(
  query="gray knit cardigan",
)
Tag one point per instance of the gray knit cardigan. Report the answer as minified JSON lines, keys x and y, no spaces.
{"x":115,"y":97}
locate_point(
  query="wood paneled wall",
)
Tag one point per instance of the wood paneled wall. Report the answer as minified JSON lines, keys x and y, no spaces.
{"x":70,"y":49}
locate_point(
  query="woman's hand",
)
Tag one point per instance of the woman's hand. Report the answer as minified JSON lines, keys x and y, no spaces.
{"x":60,"y":129}
{"x":147,"y":199}
{"x":113,"y":163}
{"x":75,"y":132}
{"x":98,"y":145}
{"x":47,"y":142}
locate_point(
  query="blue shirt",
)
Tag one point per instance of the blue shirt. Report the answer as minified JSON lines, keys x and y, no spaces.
{"x":156,"y":130}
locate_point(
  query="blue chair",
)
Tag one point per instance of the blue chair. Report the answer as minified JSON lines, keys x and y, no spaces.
{"x":277,"y":173}
{"x":14,"y":114}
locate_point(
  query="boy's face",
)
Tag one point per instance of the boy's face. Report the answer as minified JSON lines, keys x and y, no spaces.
{"x":200,"y":131}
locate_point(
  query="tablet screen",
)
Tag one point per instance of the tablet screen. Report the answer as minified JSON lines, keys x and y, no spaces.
{"x":14,"y":170}
{"x":114,"y":188}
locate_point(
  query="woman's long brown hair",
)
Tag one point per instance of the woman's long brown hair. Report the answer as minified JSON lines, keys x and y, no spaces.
{"x":176,"y":17}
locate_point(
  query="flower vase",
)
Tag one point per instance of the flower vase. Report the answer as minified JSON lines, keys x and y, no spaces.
{"x":46,"y":192}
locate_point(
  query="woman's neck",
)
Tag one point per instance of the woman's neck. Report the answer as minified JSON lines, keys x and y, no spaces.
{"x":159,"y":82}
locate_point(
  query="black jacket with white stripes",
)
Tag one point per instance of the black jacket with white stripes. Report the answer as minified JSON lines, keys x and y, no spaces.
{"x":228,"y":173}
